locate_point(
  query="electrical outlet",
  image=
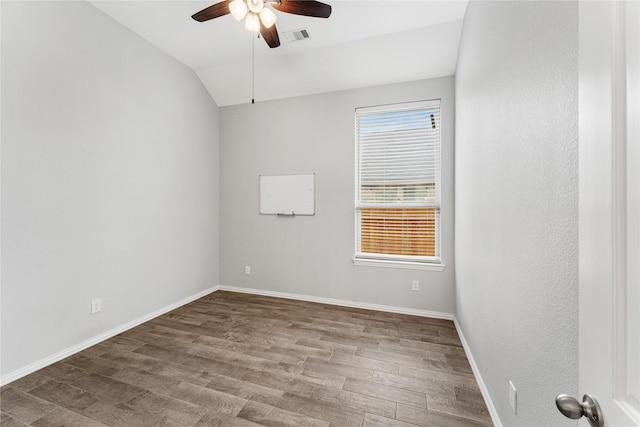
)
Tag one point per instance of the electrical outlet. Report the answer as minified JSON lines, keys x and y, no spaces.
{"x":247,"y":269}
{"x":513,"y":397}
{"x":415,"y":285}
{"x":96,"y":306}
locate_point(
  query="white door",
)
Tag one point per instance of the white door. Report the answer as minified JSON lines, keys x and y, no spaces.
{"x":609,"y":165}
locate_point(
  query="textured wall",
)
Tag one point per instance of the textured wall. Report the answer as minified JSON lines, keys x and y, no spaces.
{"x":516,"y":202}
{"x":109,"y":179}
{"x":311,"y":255}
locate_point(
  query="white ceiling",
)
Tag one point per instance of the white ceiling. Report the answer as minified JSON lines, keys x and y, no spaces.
{"x":363,"y":43}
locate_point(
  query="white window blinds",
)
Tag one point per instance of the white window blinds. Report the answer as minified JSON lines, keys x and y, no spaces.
{"x":398,"y":182}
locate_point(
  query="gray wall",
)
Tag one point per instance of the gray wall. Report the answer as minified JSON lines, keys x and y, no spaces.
{"x":516,"y":202}
{"x":109,"y":179}
{"x":312,"y":255}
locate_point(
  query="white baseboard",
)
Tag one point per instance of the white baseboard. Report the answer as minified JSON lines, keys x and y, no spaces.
{"x":476,"y":372}
{"x":19,"y":373}
{"x":343,"y":303}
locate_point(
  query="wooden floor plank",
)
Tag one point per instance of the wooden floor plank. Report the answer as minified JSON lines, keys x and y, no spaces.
{"x":337,"y":368}
{"x":215,"y":419}
{"x":23,"y":406}
{"x":206,"y":397}
{"x":370,"y":404}
{"x":64,"y":417}
{"x":146,"y":380}
{"x":29,"y":382}
{"x":373,"y":420}
{"x":407,"y":360}
{"x":233,"y":359}
{"x":270,"y":416}
{"x":245,"y":389}
{"x":326,"y":345}
{"x":475,"y":410}
{"x":65,"y":395}
{"x":280,"y":380}
{"x":331,"y":412}
{"x":430,"y":388}
{"x":454,"y":379}
{"x":160,"y":367}
{"x":63,"y":372}
{"x":8,"y":421}
{"x":94,"y":365}
{"x":123,"y":415}
{"x":108,"y":390}
{"x":364,"y":362}
{"x":179,"y":411}
{"x":426,"y":418}
{"x":398,"y":395}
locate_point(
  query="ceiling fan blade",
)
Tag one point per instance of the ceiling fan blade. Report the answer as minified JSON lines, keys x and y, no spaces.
{"x":270,"y":35}
{"x":215,"y":11}
{"x":303,"y":7}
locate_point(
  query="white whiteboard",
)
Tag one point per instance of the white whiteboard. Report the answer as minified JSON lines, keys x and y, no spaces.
{"x":287,"y":194}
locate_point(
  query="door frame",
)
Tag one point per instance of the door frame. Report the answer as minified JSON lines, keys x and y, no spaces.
{"x":604,"y":125}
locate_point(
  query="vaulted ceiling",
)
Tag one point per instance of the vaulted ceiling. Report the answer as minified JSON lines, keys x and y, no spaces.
{"x":363,"y":43}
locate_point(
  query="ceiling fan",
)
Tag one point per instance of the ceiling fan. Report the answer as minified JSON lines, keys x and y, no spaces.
{"x":259,"y":17}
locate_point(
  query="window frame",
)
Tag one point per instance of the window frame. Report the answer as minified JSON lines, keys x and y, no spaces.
{"x":392,"y":260}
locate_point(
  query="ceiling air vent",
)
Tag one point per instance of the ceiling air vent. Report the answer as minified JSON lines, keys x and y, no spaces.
{"x":296,"y":35}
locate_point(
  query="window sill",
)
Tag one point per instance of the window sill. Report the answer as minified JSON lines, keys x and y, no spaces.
{"x":398,"y":264}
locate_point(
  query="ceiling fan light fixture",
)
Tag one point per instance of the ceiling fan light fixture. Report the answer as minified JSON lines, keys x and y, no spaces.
{"x":255,"y":6}
{"x":252,"y":23}
{"x":267,"y":17}
{"x":238,"y":9}
{"x":259,"y":20}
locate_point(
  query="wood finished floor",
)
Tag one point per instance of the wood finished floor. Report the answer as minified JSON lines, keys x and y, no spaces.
{"x":232,"y":359}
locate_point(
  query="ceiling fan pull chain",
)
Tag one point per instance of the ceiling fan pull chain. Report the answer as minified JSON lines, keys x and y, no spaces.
{"x":253,"y":69}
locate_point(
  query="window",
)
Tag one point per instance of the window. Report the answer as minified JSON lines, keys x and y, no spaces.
{"x":398,"y":184}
